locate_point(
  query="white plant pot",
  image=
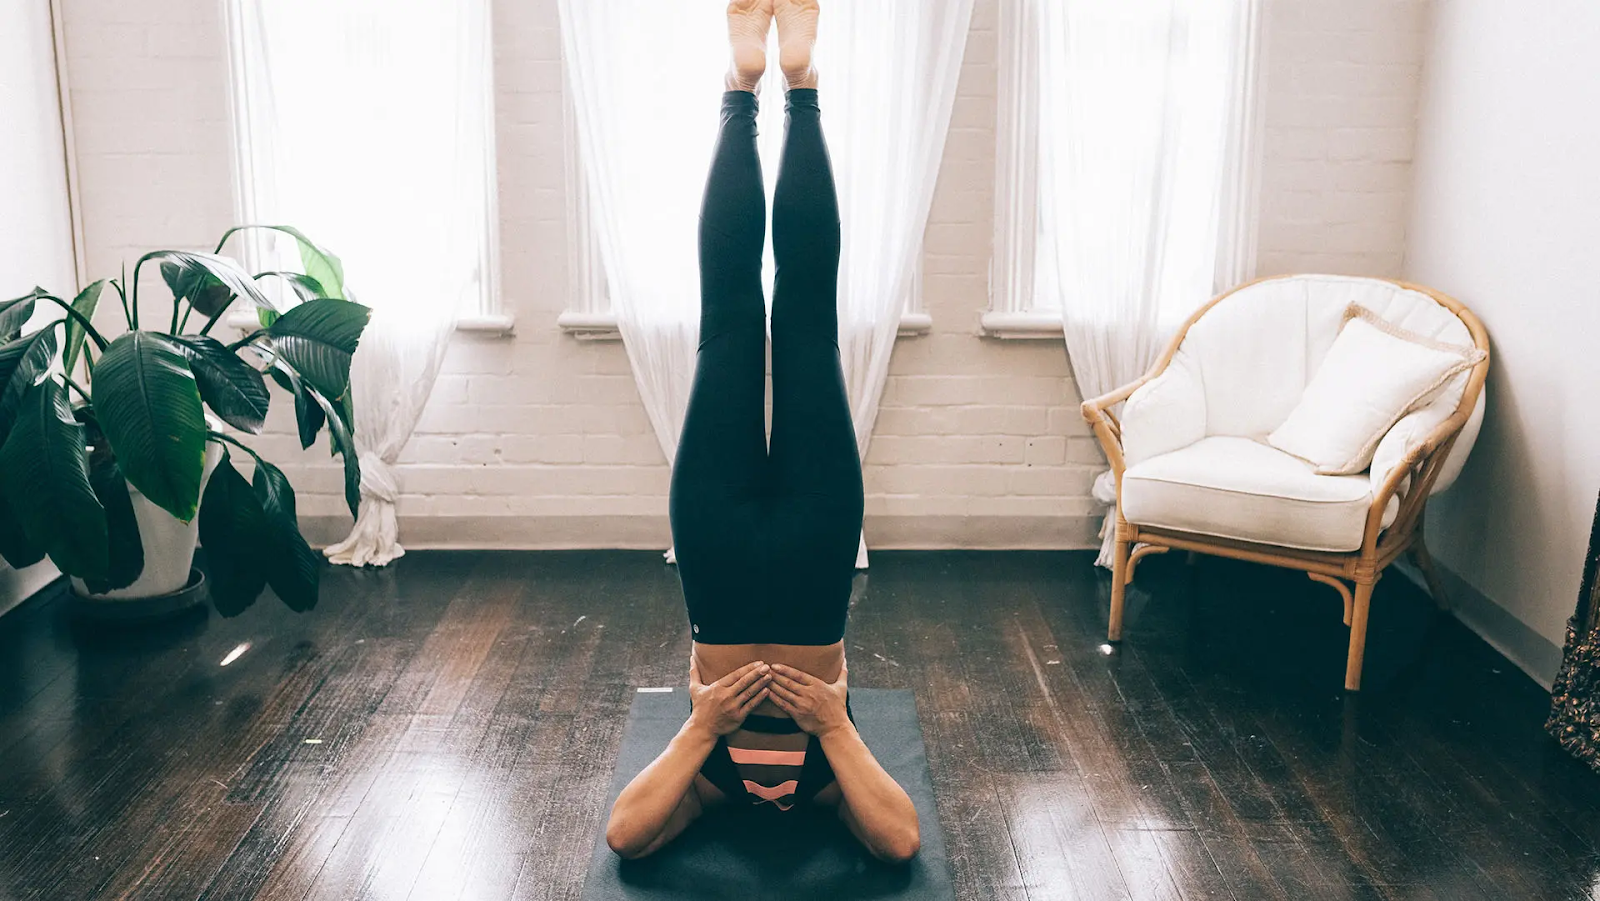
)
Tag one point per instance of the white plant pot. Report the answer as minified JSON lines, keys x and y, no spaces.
{"x":169,"y":544}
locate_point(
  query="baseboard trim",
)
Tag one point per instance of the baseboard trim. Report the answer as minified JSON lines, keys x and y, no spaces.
{"x":1072,"y":532}
{"x":1531,"y":652}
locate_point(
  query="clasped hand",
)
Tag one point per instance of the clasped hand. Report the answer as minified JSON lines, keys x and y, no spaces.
{"x":720,"y":708}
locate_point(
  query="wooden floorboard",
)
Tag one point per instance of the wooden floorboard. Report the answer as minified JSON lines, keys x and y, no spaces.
{"x":446,"y":729}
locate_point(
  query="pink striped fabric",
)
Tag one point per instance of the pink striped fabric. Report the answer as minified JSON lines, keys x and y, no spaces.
{"x":772,"y":758}
{"x":775,"y":793}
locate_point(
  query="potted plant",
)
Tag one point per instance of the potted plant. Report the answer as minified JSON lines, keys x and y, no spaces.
{"x":115,"y":454}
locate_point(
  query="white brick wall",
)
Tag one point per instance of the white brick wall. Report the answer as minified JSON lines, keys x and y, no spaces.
{"x":1341,"y":92}
{"x":540,"y":440}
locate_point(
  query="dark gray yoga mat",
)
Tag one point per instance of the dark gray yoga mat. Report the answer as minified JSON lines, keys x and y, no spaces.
{"x":748,"y":853}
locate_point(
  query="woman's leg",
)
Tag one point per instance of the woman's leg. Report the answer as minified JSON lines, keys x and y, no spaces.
{"x":813,"y":438}
{"x":721,"y":464}
{"x":816,"y":467}
{"x":724,"y":441}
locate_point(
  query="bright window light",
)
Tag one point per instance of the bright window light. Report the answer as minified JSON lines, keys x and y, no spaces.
{"x":368,"y":125}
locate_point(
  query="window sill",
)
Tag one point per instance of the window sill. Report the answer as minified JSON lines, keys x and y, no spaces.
{"x":603,"y":326}
{"x":1022,"y":326}
{"x":489,"y":325}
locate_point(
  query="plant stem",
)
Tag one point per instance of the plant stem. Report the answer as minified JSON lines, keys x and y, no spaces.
{"x":228,"y":234}
{"x":173,"y":328}
{"x":229,"y":439}
{"x":78,"y":388}
{"x":246,"y":339}
{"x":127,"y":315}
{"x":88,"y":327}
{"x":218,"y":318}
{"x":133,"y":322}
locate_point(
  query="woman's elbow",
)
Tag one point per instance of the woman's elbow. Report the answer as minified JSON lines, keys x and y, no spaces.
{"x":901,"y":847}
{"x":627,"y":842}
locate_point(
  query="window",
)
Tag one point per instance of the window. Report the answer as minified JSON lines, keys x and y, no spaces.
{"x":368,"y":124}
{"x":589,"y":313}
{"x":1121,"y":125}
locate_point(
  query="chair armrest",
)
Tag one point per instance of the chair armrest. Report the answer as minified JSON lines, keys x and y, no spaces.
{"x":1163,"y":411}
{"x":1098,"y":413}
{"x":1165,"y":414}
{"x":1412,"y":476}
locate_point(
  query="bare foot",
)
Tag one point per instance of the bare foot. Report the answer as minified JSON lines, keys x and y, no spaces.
{"x":749,"y":23}
{"x":797,"y":35}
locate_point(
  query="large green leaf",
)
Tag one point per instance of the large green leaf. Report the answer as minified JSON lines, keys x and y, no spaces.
{"x":318,"y":263}
{"x":307,"y":414}
{"x":14,"y":544}
{"x":85,"y":303}
{"x":22,"y":363}
{"x":294,"y":570}
{"x":14,"y":314}
{"x":233,"y":530}
{"x":319,"y":339}
{"x":149,"y":407}
{"x":204,"y":291}
{"x":193,"y":268}
{"x":345,"y":446}
{"x":125,"y":550}
{"x":232,"y":388}
{"x":44,"y":471}
{"x":305,"y":287}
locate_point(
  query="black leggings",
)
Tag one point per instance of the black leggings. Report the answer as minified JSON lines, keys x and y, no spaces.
{"x":766,"y":539}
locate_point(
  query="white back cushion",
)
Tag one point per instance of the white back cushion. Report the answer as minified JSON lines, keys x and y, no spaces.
{"x":1258,"y":348}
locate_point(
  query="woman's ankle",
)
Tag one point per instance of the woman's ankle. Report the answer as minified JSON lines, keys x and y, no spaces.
{"x":804,"y":80}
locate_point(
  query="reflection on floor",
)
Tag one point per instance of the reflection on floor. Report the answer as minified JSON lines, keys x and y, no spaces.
{"x":446,"y":729}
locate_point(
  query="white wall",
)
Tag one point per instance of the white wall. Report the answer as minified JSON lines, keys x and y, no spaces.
{"x":1505,"y":218}
{"x":540,"y":440}
{"x":35,"y":222}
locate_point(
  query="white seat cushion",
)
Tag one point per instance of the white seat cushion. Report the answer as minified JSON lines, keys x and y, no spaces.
{"x":1241,"y":489}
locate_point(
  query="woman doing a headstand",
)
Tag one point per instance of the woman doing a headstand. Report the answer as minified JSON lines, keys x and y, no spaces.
{"x":766,"y":539}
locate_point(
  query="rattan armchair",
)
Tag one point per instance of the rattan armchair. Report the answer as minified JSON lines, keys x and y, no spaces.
{"x":1393,"y":523}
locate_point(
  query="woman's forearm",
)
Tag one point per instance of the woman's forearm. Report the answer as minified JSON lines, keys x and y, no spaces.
{"x":881,"y":811}
{"x":646,"y":807}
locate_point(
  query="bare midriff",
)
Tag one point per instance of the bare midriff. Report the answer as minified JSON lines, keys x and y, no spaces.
{"x":718,"y":660}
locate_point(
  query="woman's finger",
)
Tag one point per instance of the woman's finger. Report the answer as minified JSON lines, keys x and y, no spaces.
{"x":733,"y":677}
{"x":748,"y":679}
{"x":788,"y":683}
{"x":800,"y":676}
{"x":753,"y":702}
{"x":754,"y":686}
{"x":784,"y":704}
{"x":778,"y":691}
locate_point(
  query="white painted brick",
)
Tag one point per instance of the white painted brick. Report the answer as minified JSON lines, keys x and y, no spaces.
{"x":969,"y":480}
{"x":1085,"y":452}
{"x":1047,"y":451}
{"x":1381,"y":144}
{"x":1043,"y":480}
{"x":637,"y":449}
{"x":541,"y":425}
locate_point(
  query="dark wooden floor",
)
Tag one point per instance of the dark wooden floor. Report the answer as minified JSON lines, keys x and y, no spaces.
{"x":446,"y":730}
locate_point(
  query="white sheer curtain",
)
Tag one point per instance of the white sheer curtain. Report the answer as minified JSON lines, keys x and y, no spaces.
{"x":645,"y":78}
{"x":368,"y":124}
{"x":1143,"y":111}
{"x":889,"y":74}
